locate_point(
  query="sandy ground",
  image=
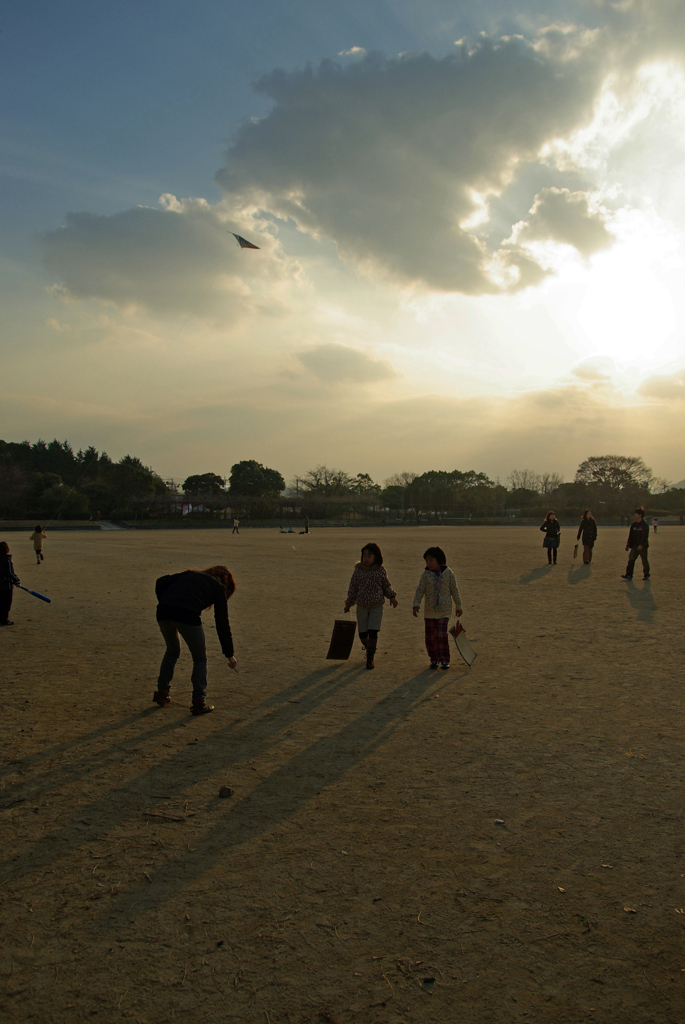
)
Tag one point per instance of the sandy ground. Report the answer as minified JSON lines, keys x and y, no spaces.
{"x":358,"y":873}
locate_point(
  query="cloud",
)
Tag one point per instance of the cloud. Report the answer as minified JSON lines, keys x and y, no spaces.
{"x":391,"y":158}
{"x":354,"y":51}
{"x":559,"y":215}
{"x":334,"y":364}
{"x":596,"y":370}
{"x":670,"y":387}
{"x":179,"y":258}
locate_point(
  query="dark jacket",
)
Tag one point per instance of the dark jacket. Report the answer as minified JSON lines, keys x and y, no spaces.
{"x":552,"y":529}
{"x":184,"y":596}
{"x":8,"y":577}
{"x":588,"y":531}
{"x":639,"y":535}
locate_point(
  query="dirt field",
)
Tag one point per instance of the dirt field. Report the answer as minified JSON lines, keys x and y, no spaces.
{"x":359,"y":874}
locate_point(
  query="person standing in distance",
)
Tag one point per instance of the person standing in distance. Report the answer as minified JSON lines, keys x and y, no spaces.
{"x":236,"y":524}
{"x":552,"y":530}
{"x":588,"y":531}
{"x":638,"y":545}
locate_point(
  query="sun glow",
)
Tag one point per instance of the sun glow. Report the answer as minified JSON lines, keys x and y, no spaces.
{"x":628,"y":312}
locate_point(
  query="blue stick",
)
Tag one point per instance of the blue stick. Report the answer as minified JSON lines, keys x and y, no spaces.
{"x":34,"y":593}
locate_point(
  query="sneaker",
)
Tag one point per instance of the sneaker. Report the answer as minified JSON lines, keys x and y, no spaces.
{"x":433,"y":665}
{"x":647,"y":576}
{"x":8,"y":623}
{"x":626,"y":577}
{"x":444,"y":665}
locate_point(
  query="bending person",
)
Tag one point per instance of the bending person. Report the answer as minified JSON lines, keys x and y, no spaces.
{"x":182,"y":599}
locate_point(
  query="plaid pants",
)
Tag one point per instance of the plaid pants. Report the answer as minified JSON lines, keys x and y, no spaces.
{"x":437,"y":641}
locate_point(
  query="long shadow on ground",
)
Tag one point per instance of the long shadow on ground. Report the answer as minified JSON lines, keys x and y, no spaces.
{"x":579,"y":574}
{"x":284,"y":793}
{"x":238,"y":741}
{"x":642,"y":601}
{"x":535,"y":574}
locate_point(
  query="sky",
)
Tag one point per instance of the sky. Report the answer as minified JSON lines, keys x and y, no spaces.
{"x":470,"y":220}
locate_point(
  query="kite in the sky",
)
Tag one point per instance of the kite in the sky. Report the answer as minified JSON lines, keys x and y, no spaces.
{"x":243,"y":242}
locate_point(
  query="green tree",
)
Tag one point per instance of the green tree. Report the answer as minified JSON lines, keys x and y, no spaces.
{"x":364,"y":485}
{"x":326,"y":483}
{"x":209,"y":484}
{"x":250,"y":479}
{"x":614,"y":472}
{"x":63,"y":502}
{"x":614,"y":482}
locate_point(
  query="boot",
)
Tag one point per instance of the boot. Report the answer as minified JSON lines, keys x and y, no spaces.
{"x":363,"y":637}
{"x":162,"y":697}
{"x":371,"y":645}
{"x":199,"y":707}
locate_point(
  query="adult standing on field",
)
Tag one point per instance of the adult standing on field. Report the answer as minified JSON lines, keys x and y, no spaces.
{"x":588,"y":532}
{"x":655,"y":524}
{"x":552,"y":530}
{"x":236,"y":524}
{"x":182,"y":599}
{"x":38,"y":536}
{"x":8,"y":581}
{"x":638,"y":545}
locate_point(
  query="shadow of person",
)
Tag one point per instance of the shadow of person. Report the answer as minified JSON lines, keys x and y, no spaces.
{"x":284,"y":793}
{"x":576,"y":574}
{"x":642,"y":601}
{"x":238,"y":741}
{"x":535,"y":574}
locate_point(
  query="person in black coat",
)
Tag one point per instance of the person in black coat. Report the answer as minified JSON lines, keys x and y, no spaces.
{"x":638,"y":545}
{"x":8,"y":581}
{"x":182,"y":599}
{"x":588,"y":531}
{"x":552,"y":530}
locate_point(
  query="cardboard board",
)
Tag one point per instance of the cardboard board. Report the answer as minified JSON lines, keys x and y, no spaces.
{"x":342,"y":639}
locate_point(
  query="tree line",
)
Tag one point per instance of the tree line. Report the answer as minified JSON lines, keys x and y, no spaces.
{"x":49,"y":480}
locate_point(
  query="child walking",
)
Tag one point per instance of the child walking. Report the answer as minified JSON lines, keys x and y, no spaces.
{"x":368,"y":589}
{"x":438,"y":588}
{"x":38,"y":536}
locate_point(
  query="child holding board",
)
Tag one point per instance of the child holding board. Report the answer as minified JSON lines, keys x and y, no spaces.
{"x":368,"y":589}
{"x":437,"y":588}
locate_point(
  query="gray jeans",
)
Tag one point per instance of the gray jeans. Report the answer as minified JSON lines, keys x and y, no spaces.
{"x":194,"y":637}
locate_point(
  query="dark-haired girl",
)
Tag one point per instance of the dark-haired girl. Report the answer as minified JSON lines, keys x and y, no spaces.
{"x":552,"y":530}
{"x":368,"y":589}
{"x":437,"y":588}
{"x":182,"y":599}
{"x":8,"y":581}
